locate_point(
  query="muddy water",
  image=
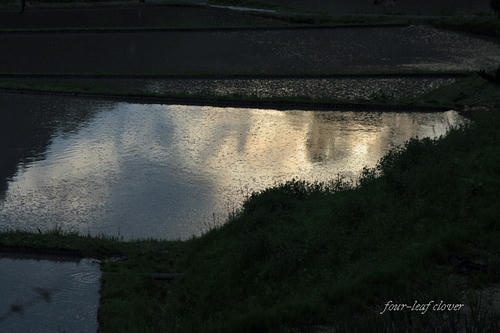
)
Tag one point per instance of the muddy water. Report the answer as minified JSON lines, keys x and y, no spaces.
{"x":46,"y":296}
{"x":168,"y":171}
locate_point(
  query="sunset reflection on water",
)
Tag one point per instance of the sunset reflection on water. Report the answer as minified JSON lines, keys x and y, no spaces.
{"x":165,"y":171}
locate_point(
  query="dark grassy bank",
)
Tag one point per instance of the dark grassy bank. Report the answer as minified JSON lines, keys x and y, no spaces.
{"x":422,"y":225}
{"x":305,"y":254}
{"x":69,"y":243}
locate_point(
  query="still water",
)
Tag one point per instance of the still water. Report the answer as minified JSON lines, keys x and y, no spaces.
{"x":168,"y":171}
{"x":345,"y":88}
{"x":48,"y":296}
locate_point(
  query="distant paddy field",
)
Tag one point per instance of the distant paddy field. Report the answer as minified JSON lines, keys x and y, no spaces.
{"x":358,"y":50}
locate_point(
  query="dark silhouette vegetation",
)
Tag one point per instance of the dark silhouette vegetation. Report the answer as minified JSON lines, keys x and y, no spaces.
{"x":495,"y":5}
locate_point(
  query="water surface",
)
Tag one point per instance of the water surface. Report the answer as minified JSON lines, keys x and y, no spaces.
{"x":46,"y":296}
{"x":295,"y":51}
{"x":327,"y":88}
{"x":169,"y":170}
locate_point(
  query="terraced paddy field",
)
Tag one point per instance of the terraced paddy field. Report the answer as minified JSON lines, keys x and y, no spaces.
{"x":147,"y":16}
{"x":206,"y":213}
{"x":297,"y":51}
{"x":353,"y":88}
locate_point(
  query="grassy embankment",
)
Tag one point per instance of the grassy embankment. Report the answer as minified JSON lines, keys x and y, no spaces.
{"x":423,"y":225}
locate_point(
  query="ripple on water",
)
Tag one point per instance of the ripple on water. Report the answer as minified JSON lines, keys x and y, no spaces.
{"x":46,"y":297}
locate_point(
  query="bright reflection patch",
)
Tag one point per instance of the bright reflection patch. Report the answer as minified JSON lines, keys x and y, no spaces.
{"x":166,"y":171}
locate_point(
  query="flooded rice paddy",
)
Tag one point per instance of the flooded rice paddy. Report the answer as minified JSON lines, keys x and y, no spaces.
{"x":48,"y":296}
{"x":169,"y":171}
{"x":423,"y":7}
{"x":329,"y":88}
{"x":342,"y":50}
{"x":148,"y":16}
{"x":345,"y":89}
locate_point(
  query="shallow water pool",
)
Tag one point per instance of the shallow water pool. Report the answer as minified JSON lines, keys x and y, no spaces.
{"x":48,"y":296}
